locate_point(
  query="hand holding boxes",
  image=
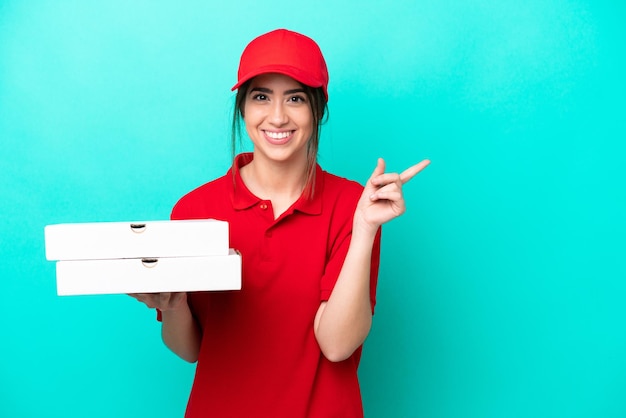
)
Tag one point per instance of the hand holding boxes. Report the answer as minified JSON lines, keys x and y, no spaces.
{"x":143,"y":257}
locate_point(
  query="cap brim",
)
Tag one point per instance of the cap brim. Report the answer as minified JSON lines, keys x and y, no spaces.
{"x":281,"y":69}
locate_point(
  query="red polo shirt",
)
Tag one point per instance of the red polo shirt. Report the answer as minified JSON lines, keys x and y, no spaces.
{"x":259,"y":356}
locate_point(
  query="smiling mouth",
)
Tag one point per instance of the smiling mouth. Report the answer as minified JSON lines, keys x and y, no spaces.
{"x":278,"y":135}
{"x":278,"y":138}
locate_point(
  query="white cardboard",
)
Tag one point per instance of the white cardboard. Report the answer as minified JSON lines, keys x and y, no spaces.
{"x":111,"y":240}
{"x":178,"y":274}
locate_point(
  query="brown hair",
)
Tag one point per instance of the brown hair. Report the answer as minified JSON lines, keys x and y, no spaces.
{"x":319,"y":109}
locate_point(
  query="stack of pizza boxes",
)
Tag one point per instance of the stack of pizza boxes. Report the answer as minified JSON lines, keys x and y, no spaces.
{"x":142,"y":257}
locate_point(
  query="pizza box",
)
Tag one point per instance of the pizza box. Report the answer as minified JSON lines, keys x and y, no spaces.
{"x":149,"y":275}
{"x":113,"y":240}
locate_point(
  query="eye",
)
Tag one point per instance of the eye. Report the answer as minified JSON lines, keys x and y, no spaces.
{"x":259,"y":97}
{"x":297,"y":99}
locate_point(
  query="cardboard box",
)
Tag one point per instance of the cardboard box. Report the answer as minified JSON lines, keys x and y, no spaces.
{"x":112,"y":240}
{"x":148,"y":275}
{"x":143,"y":257}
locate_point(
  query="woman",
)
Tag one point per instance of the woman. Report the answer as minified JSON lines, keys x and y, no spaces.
{"x":288,"y":344}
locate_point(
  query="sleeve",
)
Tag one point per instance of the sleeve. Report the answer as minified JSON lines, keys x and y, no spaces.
{"x":335,"y":263}
{"x":179,"y":212}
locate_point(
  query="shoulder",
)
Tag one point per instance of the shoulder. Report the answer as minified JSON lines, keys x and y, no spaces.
{"x":335,"y":185}
{"x":340,"y":195}
{"x":197,"y":201}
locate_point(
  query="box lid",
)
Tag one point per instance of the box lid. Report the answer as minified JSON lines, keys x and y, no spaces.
{"x":112,"y":240}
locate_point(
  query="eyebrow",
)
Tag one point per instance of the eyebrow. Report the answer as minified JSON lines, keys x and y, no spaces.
{"x":270,"y":91}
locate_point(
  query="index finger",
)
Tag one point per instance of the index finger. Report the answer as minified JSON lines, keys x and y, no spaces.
{"x":410,"y":172}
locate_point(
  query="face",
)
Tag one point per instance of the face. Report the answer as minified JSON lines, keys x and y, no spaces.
{"x":278,"y":119}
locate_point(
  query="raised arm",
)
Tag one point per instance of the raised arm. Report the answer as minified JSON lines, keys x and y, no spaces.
{"x":344,"y":321}
{"x":179,"y":329}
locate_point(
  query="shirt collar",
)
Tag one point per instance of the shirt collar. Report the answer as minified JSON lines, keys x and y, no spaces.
{"x":242,"y":198}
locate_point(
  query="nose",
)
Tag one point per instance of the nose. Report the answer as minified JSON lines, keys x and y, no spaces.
{"x":278,"y":116}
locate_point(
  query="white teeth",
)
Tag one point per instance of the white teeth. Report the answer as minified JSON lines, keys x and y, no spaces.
{"x":277,"y":135}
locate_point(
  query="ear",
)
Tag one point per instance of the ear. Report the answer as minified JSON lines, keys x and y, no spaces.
{"x":242,"y":108}
{"x":240,"y":100}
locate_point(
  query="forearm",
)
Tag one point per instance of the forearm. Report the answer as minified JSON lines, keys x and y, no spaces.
{"x":180,"y":333}
{"x":343,"y":323}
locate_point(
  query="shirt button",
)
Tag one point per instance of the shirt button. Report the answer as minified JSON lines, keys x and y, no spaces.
{"x":263,"y":206}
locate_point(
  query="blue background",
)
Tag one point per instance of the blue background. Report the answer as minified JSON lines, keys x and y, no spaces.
{"x":502,"y":289}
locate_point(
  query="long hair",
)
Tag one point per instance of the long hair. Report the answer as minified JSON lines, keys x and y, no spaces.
{"x":319,"y":110}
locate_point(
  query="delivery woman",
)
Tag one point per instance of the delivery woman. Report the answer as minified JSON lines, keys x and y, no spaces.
{"x":287,"y":344}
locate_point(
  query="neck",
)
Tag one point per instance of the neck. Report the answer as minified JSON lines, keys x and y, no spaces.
{"x":275,"y":180}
